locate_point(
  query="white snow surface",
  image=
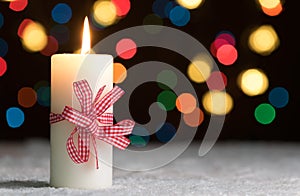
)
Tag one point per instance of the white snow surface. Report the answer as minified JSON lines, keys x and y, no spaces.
{"x":230,"y":168}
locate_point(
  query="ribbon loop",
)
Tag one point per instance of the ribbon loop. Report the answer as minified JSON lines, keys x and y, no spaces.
{"x":87,"y":122}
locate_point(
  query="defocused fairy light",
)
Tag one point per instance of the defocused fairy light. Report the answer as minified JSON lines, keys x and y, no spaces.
{"x":126,"y":48}
{"x":263,"y":40}
{"x":43,"y":96}
{"x":227,"y":54}
{"x":167,"y":99}
{"x":217,"y":102}
{"x":39,"y":84}
{"x":153,"y":19}
{"x":61,"y":13}
{"x":120,"y":73}
{"x":273,"y":11}
{"x":179,"y":16}
{"x":186,"y":103}
{"x":122,"y":7}
{"x":27,"y":97}
{"x":279,"y":97}
{"x":168,"y":7}
{"x":223,"y":48}
{"x":265,"y":113}
{"x":51,"y":47}
{"x":1,"y":20}
{"x":3,"y":66}
{"x":200,"y":68}
{"x":137,"y":141}
{"x":61,"y":33}
{"x":190,"y":4}
{"x":222,"y":38}
{"x":140,"y":136}
{"x":15,"y":117}
{"x":228,"y":36}
{"x":3,"y":47}
{"x":34,"y":37}
{"x":217,"y":81}
{"x":158,"y":7}
{"x":253,"y":82}
{"x":195,"y":118}
{"x":18,"y":5}
{"x":269,"y":3}
{"x":22,"y":26}
{"x":166,"y":132}
{"x":167,"y":79}
{"x":104,"y":12}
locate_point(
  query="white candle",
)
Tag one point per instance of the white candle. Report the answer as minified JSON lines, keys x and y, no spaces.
{"x":97,"y":69}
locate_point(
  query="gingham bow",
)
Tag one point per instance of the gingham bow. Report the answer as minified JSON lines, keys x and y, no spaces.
{"x":88,"y":122}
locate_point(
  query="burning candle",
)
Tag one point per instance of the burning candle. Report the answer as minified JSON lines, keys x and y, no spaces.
{"x":97,"y":69}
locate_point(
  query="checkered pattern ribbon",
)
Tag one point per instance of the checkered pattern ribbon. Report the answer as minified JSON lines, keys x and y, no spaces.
{"x":87,"y":122}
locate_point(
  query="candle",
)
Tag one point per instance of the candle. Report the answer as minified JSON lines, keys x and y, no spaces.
{"x":97,"y":69}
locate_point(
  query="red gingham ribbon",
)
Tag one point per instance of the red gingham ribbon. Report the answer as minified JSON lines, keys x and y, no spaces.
{"x":87,"y":122}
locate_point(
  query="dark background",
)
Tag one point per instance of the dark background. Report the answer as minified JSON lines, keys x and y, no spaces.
{"x":26,"y":69}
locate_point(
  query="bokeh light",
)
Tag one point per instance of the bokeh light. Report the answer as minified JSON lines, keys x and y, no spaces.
{"x":51,"y":47}
{"x":217,"y":81}
{"x":166,"y":132}
{"x":126,"y":48}
{"x":279,"y":97}
{"x":253,"y":82}
{"x":200,"y":68}
{"x":226,"y":35}
{"x":1,"y":20}
{"x":43,"y":96}
{"x":190,"y":4}
{"x":39,"y":84}
{"x":27,"y":97}
{"x":227,"y":54}
{"x":152,"y":19}
{"x":167,"y":99}
{"x":104,"y":12}
{"x":22,"y":26}
{"x":269,"y":3}
{"x":18,"y":5}
{"x":120,"y":73}
{"x":15,"y":117}
{"x":217,"y":102}
{"x":195,"y":118}
{"x":158,"y":7}
{"x":186,"y":103}
{"x":61,"y":13}
{"x":34,"y":37}
{"x":3,"y":47}
{"x":140,"y":136}
{"x":179,"y":16}
{"x":169,"y":6}
{"x":122,"y":6}
{"x":272,"y":11}
{"x":3,"y":66}
{"x":265,"y":113}
{"x":61,"y":33}
{"x":137,"y":141}
{"x":263,"y":40}
{"x":167,"y":79}
{"x":222,"y":38}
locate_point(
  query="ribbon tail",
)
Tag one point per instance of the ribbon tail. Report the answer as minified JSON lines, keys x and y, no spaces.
{"x":96,"y":152}
{"x":72,"y":150}
{"x":84,"y":145}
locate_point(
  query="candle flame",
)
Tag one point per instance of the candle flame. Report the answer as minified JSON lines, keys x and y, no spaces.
{"x":86,"y":37}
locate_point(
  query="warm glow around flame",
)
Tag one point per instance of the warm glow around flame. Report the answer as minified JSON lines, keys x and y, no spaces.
{"x":86,"y":37}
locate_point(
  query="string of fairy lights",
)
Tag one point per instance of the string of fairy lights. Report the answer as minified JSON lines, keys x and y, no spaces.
{"x":262,"y":40}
